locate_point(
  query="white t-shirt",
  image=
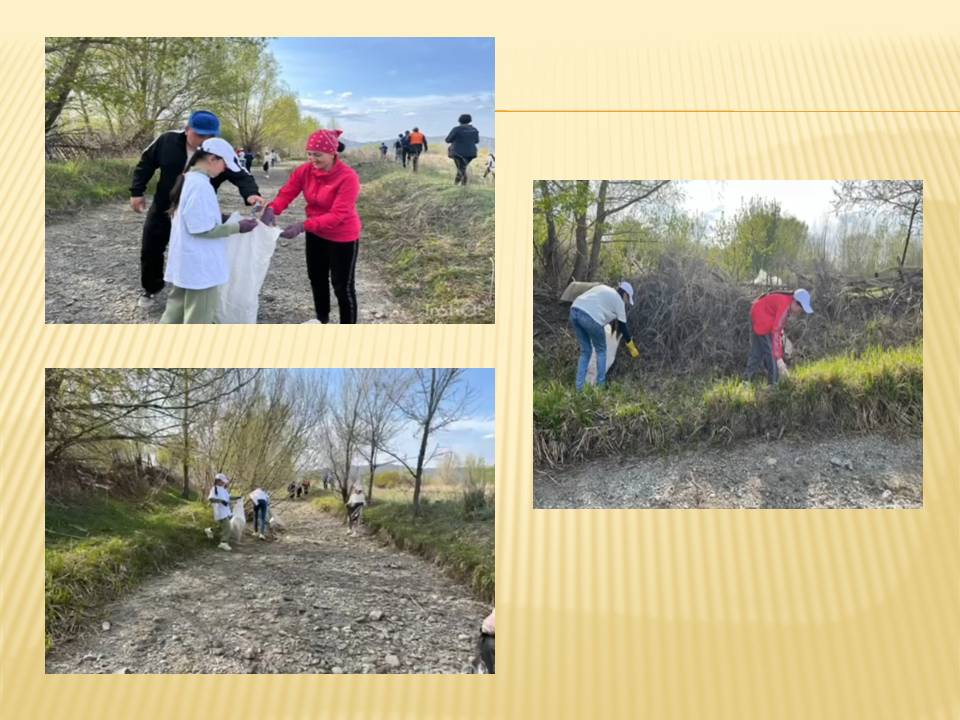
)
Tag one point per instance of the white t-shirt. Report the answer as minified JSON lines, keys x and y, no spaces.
{"x":357,"y":498}
{"x":220,"y":511}
{"x":258,"y":495}
{"x":603,"y":304}
{"x":196,"y":263}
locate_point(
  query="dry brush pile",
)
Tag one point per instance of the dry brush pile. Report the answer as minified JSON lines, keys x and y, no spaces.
{"x":858,"y":366}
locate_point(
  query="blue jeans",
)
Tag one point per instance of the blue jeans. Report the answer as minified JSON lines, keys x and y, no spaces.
{"x":260,"y":517}
{"x":591,"y":337}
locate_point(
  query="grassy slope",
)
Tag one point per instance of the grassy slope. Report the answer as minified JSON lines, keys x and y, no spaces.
{"x":82,"y":183}
{"x":433,"y":239}
{"x":877,"y":390}
{"x":463,"y":547}
{"x":98,"y":549}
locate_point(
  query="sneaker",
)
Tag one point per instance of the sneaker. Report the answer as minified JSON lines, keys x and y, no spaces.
{"x":148,"y":301}
{"x":224,"y":546}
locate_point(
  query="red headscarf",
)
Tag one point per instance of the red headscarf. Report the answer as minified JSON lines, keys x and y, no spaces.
{"x":325,"y":141}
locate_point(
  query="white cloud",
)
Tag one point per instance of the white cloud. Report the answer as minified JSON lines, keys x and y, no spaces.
{"x":488,"y":437}
{"x":472,"y":424}
{"x":345,"y":95}
{"x":328,"y":92}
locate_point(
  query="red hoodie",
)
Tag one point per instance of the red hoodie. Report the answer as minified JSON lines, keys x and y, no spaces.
{"x":331,"y":200}
{"x":768,"y":315}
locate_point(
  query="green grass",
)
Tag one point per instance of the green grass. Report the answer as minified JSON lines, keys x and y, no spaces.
{"x":86,"y":182}
{"x":463,"y":546}
{"x":876,"y":390}
{"x":433,"y":239}
{"x":98,"y":549}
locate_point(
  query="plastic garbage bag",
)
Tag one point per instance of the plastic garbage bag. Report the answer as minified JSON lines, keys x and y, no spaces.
{"x":276,"y":523}
{"x":613,"y":342}
{"x":238,"y":522}
{"x":249,"y":257}
{"x":575,"y":290}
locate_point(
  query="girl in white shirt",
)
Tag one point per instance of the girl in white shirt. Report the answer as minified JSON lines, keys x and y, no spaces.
{"x":197,"y":261}
{"x":219,"y":499}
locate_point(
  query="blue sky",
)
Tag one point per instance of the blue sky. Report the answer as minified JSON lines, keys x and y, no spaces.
{"x":472,"y":435}
{"x":374,"y":88}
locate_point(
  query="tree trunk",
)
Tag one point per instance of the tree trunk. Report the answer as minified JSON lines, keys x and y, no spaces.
{"x":551,"y":262}
{"x":906,"y":243}
{"x":597,"y":232}
{"x":186,"y":435}
{"x":373,"y":471}
{"x":418,"y":478}
{"x":60,"y":92}
{"x":580,"y":233}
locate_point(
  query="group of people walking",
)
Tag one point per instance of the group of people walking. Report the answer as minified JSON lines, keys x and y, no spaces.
{"x":603,"y":305}
{"x":462,"y":142}
{"x":186,"y":216}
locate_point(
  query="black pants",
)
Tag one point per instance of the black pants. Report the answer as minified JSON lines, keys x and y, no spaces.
{"x":156,"y":237}
{"x":461,"y":163}
{"x":413,"y":152}
{"x":332,"y":262}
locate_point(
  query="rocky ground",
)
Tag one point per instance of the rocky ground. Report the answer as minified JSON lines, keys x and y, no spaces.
{"x":92,"y":268}
{"x":314,"y":600}
{"x":871,"y":471}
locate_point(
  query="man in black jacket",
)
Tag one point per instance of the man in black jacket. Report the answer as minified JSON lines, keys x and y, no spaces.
{"x":170,"y":152}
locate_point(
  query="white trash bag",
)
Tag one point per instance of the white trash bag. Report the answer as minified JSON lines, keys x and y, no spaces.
{"x":238,"y":522}
{"x":248,"y":255}
{"x":613,"y":342}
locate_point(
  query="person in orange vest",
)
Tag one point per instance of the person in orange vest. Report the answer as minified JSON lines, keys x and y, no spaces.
{"x":418,"y":144}
{"x":768,"y":316}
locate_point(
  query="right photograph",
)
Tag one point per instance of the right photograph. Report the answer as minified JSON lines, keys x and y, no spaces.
{"x":728,"y":343}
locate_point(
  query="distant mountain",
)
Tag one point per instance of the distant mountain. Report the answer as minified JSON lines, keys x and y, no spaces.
{"x":486,"y":143}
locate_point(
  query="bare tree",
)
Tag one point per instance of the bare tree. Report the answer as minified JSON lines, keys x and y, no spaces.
{"x":381,"y":420}
{"x":435,"y":399}
{"x":902,"y":198}
{"x":345,"y":428}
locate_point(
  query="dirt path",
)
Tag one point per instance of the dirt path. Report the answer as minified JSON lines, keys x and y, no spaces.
{"x":92,"y":268}
{"x":853,"y":472}
{"x":309,"y":602}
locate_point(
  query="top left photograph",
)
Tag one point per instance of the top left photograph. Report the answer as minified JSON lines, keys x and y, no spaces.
{"x":269,"y":180}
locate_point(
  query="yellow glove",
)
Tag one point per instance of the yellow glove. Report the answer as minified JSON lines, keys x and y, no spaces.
{"x":633,"y":350}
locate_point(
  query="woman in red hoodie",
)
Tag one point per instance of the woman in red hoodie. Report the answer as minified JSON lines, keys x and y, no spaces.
{"x":768,"y":316}
{"x":333,"y":226}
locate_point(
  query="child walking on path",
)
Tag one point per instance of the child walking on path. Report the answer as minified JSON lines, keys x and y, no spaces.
{"x":197,"y":262}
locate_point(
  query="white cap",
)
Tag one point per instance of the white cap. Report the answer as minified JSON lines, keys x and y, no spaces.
{"x":627,"y":288}
{"x":223,"y":478}
{"x":803,"y":297}
{"x":221,"y":148}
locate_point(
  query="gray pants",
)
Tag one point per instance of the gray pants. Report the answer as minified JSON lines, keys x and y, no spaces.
{"x":761,"y":358}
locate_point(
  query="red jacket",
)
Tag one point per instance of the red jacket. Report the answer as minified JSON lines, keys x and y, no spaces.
{"x":331,"y":200}
{"x":768,"y":315}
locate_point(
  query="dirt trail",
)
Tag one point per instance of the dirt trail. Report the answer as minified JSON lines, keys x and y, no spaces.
{"x":308,"y":602}
{"x":92,"y":268}
{"x":869,"y":471}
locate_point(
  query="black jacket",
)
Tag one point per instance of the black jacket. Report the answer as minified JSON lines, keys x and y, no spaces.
{"x":169,"y":153}
{"x":464,"y":139}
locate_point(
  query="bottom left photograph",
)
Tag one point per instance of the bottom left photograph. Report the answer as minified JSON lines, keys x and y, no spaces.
{"x":219,"y":520}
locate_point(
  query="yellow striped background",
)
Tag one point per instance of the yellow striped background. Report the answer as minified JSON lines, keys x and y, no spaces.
{"x":617,"y":614}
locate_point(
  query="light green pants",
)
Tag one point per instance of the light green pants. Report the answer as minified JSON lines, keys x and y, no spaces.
{"x":190,"y":306}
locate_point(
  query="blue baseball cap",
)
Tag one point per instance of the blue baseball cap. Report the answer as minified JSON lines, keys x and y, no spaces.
{"x":204,"y":122}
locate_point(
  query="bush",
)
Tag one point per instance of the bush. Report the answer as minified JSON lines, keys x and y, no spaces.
{"x":462,"y":546}
{"x":97,"y":549}
{"x":880,"y":389}
{"x":85,"y":182}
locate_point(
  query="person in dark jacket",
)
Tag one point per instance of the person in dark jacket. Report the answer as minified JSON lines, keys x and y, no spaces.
{"x":463,"y":141}
{"x":398,"y":147}
{"x":405,"y":146}
{"x":170,"y":153}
